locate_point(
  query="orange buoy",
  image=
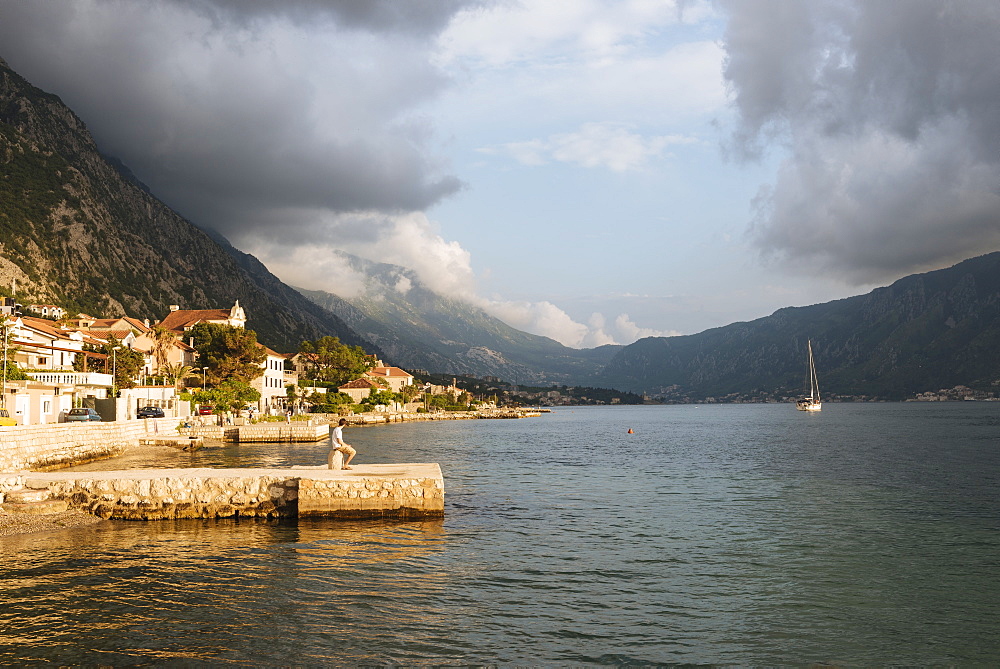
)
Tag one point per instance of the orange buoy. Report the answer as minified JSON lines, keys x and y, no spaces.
{"x":630,"y":431}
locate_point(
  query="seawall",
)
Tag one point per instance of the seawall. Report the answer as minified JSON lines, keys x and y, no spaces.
{"x":42,"y":447}
{"x":298,"y":431}
{"x":366,"y":491}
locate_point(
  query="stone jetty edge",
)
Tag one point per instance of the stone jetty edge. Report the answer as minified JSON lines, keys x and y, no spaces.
{"x":398,"y":491}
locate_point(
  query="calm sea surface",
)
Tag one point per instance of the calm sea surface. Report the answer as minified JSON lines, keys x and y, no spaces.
{"x":751,"y":534}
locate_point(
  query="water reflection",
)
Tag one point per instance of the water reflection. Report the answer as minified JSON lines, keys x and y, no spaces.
{"x":213,"y":591}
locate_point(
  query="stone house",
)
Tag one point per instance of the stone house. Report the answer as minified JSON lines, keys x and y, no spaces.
{"x":359,"y":389}
{"x":394,"y":377}
{"x":47,"y":310}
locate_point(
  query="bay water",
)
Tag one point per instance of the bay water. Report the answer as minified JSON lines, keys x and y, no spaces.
{"x":712,"y":534}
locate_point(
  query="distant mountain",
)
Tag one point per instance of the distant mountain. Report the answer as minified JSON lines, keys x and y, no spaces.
{"x":421,"y":329}
{"x":78,"y":230}
{"x":924,"y":332}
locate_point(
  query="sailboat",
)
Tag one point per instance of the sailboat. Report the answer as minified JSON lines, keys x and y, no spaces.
{"x":811,"y":403}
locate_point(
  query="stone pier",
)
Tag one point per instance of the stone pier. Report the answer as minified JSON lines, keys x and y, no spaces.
{"x":366,"y":491}
{"x":299,"y":431}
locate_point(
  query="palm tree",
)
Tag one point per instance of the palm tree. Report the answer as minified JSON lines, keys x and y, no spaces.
{"x":163,"y":339}
{"x":176,"y":372}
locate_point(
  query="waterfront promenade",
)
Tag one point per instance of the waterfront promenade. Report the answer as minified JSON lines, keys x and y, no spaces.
{"x":316,"y":426}
{"x":32,"y":455}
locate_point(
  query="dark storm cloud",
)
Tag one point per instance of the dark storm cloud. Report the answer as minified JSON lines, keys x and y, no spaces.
{"x":376,"y":15}
{"x":890,"y":113}
{"x":230,"y":110}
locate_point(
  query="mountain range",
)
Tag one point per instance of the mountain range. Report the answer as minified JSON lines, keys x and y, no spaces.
{"x":924,"y":332}
{"x":77,"y":229}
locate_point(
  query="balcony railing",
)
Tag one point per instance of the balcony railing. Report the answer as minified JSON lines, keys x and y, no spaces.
{"x":94,"y":379}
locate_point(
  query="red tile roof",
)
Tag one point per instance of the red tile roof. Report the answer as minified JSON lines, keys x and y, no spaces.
{"x":107,"y":334}
{"x":388,"y":371}
{"x":360,"y":383}
{"x":178,"y":320}
{"x":45,"y":326}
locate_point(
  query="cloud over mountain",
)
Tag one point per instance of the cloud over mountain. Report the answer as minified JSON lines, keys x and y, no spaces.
{"x":259,"y":111}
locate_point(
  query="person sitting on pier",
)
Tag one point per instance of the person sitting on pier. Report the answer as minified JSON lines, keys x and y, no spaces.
{"x":339,"y":445}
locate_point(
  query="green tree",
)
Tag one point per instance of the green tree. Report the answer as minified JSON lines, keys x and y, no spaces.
{"x":8,"y":367}
{"x":176,"y":372}
{"x":336,"y":398}
{"x":121,"y":361}
{"x":440,"y":401}
{"x":411,"y":392}
{"x":230,"y":395}
{"x":326,"y":359}
{"x":334,"y":402}
{"x":228,"y":352}
{"x":376,"y":397}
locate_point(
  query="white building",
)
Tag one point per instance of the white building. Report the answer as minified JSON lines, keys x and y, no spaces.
{"x":271,"y":384}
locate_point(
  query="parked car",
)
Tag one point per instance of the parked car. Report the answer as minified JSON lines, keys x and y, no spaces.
{"x":205,"y":410}
{"x":149,"y":412}
{"x":5,"y":418}
{"x":82,"y":414}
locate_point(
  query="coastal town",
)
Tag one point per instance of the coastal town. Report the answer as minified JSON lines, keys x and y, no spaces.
{"x":171,"y":384}
{"x":56,"y":365}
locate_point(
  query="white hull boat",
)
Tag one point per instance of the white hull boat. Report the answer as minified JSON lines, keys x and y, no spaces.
{"x":813,"y":402}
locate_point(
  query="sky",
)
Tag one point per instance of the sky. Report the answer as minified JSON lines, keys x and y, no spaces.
{"x":592,"y":171}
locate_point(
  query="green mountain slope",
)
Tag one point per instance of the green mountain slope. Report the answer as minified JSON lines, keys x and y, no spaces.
{"x":421,"y":329}
{"x":924,"y":332}
{"x":77,"y":230}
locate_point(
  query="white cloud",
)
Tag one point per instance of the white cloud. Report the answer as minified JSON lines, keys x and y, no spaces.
{"x":546,"y":319}
{"x":404,"y":285}
{"x":609,"y":145}
{"x":408,"y":240}
{"x":541,"y":318}
{"x":560,"y":64}
{"x":315,"y":268}
{"x":628,"y":332}
{"x":505,"y":34}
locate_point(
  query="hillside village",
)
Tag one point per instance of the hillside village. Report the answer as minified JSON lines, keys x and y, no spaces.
{"x":54,"y":363}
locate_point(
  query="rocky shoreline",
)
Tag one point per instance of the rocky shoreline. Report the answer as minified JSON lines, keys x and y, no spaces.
{"x":12,"y":522}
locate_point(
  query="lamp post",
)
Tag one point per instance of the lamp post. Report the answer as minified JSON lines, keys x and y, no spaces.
{"x":204,"y":372}
{"x":3,"y":382}
{"x":114,"y":370}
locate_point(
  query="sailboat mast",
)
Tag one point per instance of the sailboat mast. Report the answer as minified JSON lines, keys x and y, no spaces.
{"x":813,"y":379}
